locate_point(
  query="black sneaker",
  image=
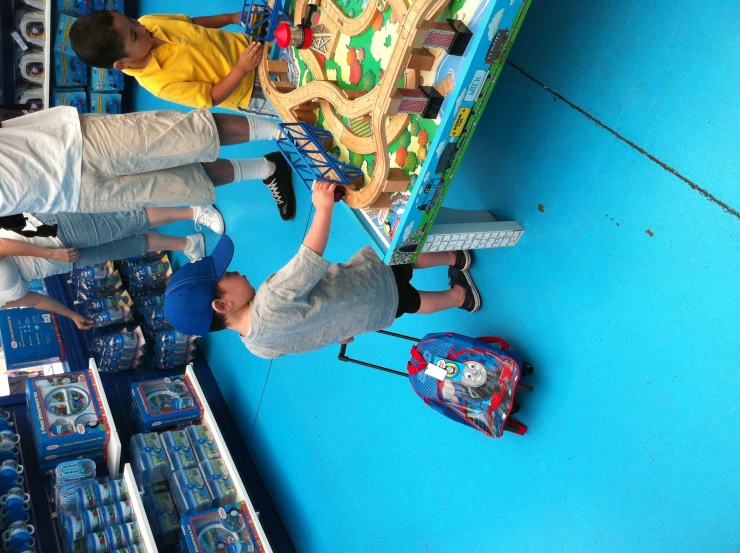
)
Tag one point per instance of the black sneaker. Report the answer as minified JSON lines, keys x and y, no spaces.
{"x":472,"y":301}
{"x":463,"y":260}
{"x":280,"y":184}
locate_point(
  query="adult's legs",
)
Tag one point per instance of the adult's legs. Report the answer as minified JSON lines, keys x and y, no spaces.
{"x":170,"y":159}
{"x":160,"y":216}
{"x":235,"y":129}
{"x":85,"y":230}
{"x":136,"y":245}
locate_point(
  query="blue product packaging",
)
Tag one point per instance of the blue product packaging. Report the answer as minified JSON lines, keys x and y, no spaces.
{"x":94,"y":305}
{"x":122,"y":535}
{"x":115,"y":5}
{"x":149,"y":459}
{"x":163,"y":518}
{"x":88,"y":288}
{"x":145,"y":301}
{"x":165,"y":402}
{"x":61,"y":41}
{"x":105,"y":102}
{"x":102,"y":79}
{"x":75,"y":8}
{"x":219,"y":482}
{"x":69,"y":70}
{"x":203,"y":443}
{"x":118,"y":314}
{"x":73,"y":471}
{"x":207,"y":532}
{"x":168,"y":361}
{"x":155,"y":321}
{"x":127,"y":264}
{"x":100,"y":271}
{"x":189,"y":491}
{"x":75,"y":98}
{"x":120,"y":350}
{"x":66,"y":417}
{"x":66,"y":495}
{"x":147,"y":273}
{"x":179,"y":452}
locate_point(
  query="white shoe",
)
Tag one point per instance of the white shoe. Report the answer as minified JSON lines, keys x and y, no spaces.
{"x":195,"y":248}
{"x":208,"y":216}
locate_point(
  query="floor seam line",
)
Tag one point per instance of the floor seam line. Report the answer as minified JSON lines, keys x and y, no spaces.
{"x":259,"y":406}
{"x":707,"y":195}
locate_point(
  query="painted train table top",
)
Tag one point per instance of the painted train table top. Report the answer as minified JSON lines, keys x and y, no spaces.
{"x":400,"y":85}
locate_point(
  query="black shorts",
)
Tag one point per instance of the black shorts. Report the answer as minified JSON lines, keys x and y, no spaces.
{"x":409,"y":300}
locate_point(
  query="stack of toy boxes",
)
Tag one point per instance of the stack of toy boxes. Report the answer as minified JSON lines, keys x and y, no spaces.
{"x":67,"y":418}
{"x":181,"y":473}
{"x":210,"y":531}
{"x":93,"y":90}
{"x":165,"y":403}
{"x":146,"y":278}
{"x":103,"y":293}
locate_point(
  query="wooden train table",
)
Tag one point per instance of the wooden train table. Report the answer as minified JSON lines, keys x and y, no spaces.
{"x":400,"y":85}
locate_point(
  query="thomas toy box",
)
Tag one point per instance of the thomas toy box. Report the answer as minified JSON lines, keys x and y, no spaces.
{"x":105,"y":102}
{"x":69,"y":70}
{"x":66,"y":418}
{"x":74,"y":97}
{"x":75,"y":8}
{"x":229,"y":528}
{"x":61,"y":41}
{"x":165,"y":402}
{"x":115,"y":5}
{"x":105,"y":79}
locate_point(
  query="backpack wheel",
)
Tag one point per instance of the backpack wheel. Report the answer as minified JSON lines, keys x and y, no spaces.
{"x":515,"y":427}
{"x":527,"y":369}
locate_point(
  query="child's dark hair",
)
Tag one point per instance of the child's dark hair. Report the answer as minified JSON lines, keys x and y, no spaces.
{"x":95,"y":41}
{"x":219,"y":319}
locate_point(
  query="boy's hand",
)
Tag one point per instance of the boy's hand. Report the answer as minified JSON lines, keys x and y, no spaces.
{"x":323,"y":195}
{"x":251,"y":57}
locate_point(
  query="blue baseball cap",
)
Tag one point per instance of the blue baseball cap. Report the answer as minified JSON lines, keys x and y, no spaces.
{"x":192,"y":289}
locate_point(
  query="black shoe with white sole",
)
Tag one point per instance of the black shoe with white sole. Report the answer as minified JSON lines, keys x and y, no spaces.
{"x":463,"y":279}
{"x":463,"y":260}
{"x":280,"y":184}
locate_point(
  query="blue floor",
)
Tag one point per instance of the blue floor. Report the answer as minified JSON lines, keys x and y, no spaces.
{"x":613,"y":139}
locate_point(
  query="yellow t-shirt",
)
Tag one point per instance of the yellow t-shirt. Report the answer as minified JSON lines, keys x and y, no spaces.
{"x":192,"y":60}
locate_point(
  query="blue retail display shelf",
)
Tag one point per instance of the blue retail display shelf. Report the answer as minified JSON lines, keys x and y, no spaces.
{"x":117,"y":388}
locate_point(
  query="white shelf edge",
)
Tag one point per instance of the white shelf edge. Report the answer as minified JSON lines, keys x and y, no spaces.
{"x":210,"y":421}
{"x":114,"y":443}
{"x":145,"y":531}
{"x":50,"y":34}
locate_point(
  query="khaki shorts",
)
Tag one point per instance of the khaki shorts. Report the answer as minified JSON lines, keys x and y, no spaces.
{"x":146,"y":159}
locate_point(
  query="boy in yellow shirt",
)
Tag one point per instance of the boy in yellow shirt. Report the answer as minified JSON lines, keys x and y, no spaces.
{"x":194,"y":63}
{"x":187,"y":61}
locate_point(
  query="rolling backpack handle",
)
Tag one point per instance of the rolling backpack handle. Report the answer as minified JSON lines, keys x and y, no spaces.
{"x":343,"y":355}
{"x":495,"y":340}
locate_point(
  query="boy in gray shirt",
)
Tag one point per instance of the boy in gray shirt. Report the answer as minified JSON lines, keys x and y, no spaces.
{"x":310,"y":303}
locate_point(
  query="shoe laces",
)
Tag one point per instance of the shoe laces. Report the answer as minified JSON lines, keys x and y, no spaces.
{"x":204,"y":217}
{"x":275,"y":190}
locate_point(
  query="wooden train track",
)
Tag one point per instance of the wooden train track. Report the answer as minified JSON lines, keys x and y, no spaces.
{"x":335,"y":103}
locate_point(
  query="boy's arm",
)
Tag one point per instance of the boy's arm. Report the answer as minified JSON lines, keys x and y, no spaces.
{"x":323,"y":201}
{"x":217,"y":21}
{"x":248,"y":60}
{"x":8,"y":246}
{"x":45,"y":303}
